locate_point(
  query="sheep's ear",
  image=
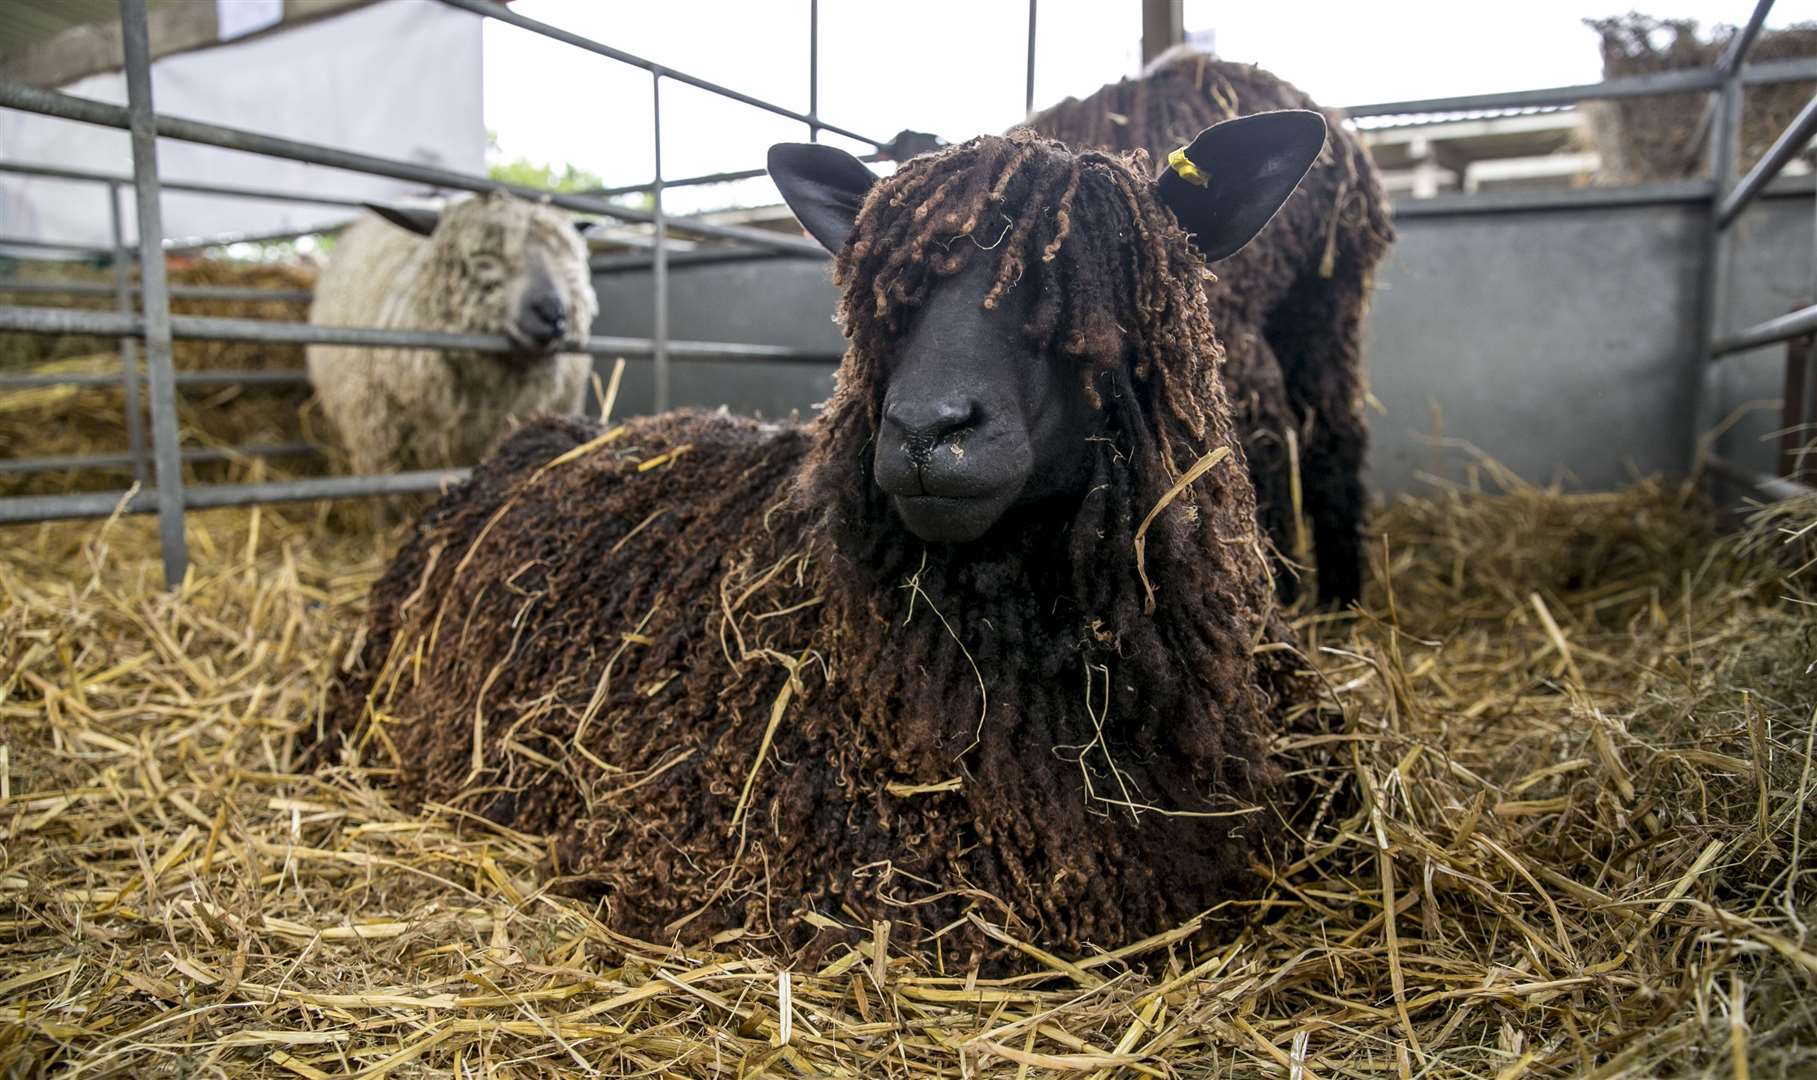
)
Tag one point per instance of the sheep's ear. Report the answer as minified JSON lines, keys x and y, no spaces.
{"x":584,"y":226}
{"x":1227,"y":183}
{"x":416,"y":219}
{"x":824,"y":186}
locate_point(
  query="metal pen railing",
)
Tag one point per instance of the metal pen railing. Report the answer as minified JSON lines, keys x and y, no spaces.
{"x":155,"y":326}
{"x":1724,"y":195}
{"x":1729,"y":198}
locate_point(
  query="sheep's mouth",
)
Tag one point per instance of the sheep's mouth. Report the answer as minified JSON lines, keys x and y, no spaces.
{"x":951,"y":519}
{"x":526,"y":343}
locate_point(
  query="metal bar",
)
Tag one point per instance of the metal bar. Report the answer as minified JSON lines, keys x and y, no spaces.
{"x":54,"y":172}
{"x":34,"y":320}
{"x":1668,"y":193}
{"x":103,"y":504}
{"x":1736,"y":52}
{"x":186,"y":243}
{"x":185,"y":379}
{"x":505,"y":15}
{"x":129,"y":348}
{"x":1695,"y":80}
{"x":1700,"y":135}
{"x":1775,"y":488}
{"x":707,"y":178}
{"x":84,"y":110}
{"x":1794,"y":412}
{"x":631,"y":261}
{"x":1771,"y":332}
{"x":177,"y":292}
{"x":52,"y":245}
{"x":1789,"y":143}
{"x":1706,"y":381}
{"x":691,"y":181}
{"x":659,"y":267}
{"x":68,"y":462}
{"x":155,"y":322}
{"x":1028,"y":95}
{"x":1501,"y":202}
{"x":814,"y":71}
{"x":181,"y":244}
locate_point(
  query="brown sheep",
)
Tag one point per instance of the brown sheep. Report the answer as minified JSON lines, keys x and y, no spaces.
{"x":1288,"y":307}
{"x":993,"y":633}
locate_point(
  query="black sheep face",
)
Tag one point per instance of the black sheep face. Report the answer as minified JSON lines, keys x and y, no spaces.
{"x":979,"y":418}
{"x":976,"y":417}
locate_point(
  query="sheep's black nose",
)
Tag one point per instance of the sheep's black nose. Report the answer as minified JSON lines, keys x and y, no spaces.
{"x":923,"y":424}
{"x":545,"y":318}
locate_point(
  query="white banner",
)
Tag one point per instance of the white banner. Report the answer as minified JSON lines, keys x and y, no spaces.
{"x":399,"y":79}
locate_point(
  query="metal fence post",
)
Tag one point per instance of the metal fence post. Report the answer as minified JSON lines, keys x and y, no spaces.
{"x":129,"y":348}
{"x":659,"y":266}
{"x":154,"y":292}
{"x":1028,"y":97}
{"x":813,"y":70}
{"x":1707,"y":380}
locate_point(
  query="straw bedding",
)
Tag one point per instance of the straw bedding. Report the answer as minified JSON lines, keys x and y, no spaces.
{"x":1577,"y":729}
{"x":58,"y":420}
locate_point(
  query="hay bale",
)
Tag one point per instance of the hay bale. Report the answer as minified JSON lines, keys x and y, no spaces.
{"x":92,"y":420}
{"x":1643,"y":140}
{"x":1585,"y":779}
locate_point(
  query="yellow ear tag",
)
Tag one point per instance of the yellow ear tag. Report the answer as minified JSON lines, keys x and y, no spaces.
{"x":1181,"y":164}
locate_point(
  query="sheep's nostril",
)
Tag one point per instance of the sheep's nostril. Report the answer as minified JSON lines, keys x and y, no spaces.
{"x":925,"y":424}
{"x":544,"y":318}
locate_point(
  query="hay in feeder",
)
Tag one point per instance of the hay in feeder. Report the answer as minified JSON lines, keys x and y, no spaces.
{"x":1578,"y":729}
{"x":89,"y":420}
{"x":1649,"y":139}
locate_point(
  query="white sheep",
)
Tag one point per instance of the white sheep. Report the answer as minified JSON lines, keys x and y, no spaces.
{"x":490,"y":264}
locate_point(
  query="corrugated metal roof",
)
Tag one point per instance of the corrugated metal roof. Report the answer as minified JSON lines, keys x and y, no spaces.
{"x":1385,"y":123}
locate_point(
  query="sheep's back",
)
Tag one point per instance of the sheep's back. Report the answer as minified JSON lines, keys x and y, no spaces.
{"x":368,"y":253}
{"x":371,"y":395}
{"x":571,"y":551}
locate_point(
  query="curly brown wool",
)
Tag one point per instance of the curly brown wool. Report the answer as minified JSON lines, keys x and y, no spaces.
{"x":1289,"y":307}
{"x":701,"y":652}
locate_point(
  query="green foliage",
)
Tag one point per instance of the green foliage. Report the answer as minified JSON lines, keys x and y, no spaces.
{"x":521,"y":170}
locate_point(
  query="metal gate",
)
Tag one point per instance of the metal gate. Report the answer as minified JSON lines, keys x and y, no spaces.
{"x":156,"y":327}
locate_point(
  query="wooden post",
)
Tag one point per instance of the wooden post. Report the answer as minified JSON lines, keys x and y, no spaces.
{"x":1163,"y":27}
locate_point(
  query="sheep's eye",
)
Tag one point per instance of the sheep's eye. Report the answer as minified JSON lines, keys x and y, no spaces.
{"x":489,"y":269}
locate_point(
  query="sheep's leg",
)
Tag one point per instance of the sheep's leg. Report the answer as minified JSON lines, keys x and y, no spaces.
{"x":383,"y":448}
{"x":1331,"y":467}
{"x":1317,"y":333}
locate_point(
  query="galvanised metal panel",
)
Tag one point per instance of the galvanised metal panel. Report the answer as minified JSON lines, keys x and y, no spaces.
{"x":1770,"y":274}
{"x":1557,"y":342}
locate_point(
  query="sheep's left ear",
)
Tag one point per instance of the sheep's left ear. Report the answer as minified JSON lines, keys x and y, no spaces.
{"x":584,"y":226}
{"x":416,"y":219}
{"x":1227,"y":183}
{"x":824,"y":186}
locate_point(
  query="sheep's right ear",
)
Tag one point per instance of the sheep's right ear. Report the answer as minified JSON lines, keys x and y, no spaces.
{"x":1227,"y":183}
{"x":824,"y":186}
{"x":416,"y":219}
